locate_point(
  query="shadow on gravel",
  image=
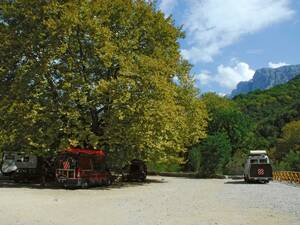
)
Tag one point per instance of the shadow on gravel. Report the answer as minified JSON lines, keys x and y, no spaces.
{"x":241,"y":182}
{"x":115,"y":185}
{"x":31,"y":185}
{"x":120,"y":184}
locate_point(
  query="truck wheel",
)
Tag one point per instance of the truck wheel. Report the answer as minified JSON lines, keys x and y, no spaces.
{"x":108,"y":182}
{"x":84,"y":184}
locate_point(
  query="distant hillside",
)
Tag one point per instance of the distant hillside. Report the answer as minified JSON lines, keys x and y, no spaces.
{"x":272,"y":108}
{"x":266,"y":78}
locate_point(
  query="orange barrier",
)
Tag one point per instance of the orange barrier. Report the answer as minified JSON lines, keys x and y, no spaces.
{"x":289,"y":176}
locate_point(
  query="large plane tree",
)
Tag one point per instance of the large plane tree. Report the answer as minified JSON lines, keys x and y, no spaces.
{"x":95,"y":73}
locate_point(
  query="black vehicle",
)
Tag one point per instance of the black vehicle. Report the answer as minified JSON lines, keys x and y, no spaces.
{"x":135,"y":171}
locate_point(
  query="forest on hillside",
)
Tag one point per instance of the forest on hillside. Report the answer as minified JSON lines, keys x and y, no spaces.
{"x":276,"y":113}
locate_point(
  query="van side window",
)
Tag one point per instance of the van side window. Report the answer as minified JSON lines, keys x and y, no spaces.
{"x":263,"y":160}
{"x":253,"y":161}
{"x":85,"y":163}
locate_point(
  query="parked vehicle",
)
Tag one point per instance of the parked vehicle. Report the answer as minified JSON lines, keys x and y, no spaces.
{"x":258,"y":167}
{"x":82,"y":168}
{"x":135,"y":171}
{"x":21,"y":166}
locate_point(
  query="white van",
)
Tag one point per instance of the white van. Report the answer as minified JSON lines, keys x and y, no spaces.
{"x":258,"y":167}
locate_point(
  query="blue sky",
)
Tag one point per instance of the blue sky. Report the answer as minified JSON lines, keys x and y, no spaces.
{"x":227,"y":40}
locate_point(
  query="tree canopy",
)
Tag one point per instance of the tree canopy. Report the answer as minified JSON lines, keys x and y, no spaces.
{"x":272,"y":109}
{"x":95,"y":73}
{"x":231,"y":134}
{"x":288,"y":147}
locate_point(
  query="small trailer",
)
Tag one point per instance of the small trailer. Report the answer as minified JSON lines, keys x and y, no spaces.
{"x":27,"y":167}
{"x":21,"y":166}
{"x":82,"y":168}
{"x":258,"y":167}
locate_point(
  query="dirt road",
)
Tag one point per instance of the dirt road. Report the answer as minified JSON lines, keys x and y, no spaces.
{"x":162,"y":200}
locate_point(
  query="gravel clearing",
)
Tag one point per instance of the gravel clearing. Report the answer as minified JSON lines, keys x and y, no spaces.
{"x":161,"y":200}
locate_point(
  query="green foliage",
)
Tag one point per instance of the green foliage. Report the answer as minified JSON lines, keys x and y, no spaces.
{"x":95,"y":73}
{"x":287,"y":150}
{"x":226,"y":117}
{"x":236,"y":163}
{"x":236,"y":125}
{"x":291,"y":135}
{"x":272,"y":109}
{"x":290,"y":162}
{"x":231,"y":135}
{"x":194,"y":158}
{"x":214,"y":155}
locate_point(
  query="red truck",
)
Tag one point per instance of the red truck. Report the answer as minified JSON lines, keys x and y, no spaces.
{"x":82,"y":168}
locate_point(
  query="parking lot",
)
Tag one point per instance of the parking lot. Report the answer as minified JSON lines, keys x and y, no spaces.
{"x":160,"y":200}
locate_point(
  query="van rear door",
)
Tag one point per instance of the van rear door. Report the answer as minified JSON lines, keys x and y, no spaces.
{"x":261,"y":170}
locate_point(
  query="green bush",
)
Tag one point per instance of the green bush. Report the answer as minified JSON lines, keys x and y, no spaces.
{"x":236,"y":164}
{"x":290,"y":162}
{"x":215,"y":154}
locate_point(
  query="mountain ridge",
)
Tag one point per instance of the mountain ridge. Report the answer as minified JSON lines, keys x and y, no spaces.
{"x":266,"y":78}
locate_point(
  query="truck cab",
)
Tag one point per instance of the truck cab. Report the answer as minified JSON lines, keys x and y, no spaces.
{"x":258,"y":167}
{"x":82,"y":168}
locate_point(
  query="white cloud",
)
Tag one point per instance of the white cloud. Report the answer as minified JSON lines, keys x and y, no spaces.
{"x":215,"y":24}
{"x":204,"y":77}
{"x":227,"y":76}
{"x":277,"y":65}
{"x":221,"y":94}
{"x":167,"y":6}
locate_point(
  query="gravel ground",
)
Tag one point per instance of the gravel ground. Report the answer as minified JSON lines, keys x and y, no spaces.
{"x":161,"y":200}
